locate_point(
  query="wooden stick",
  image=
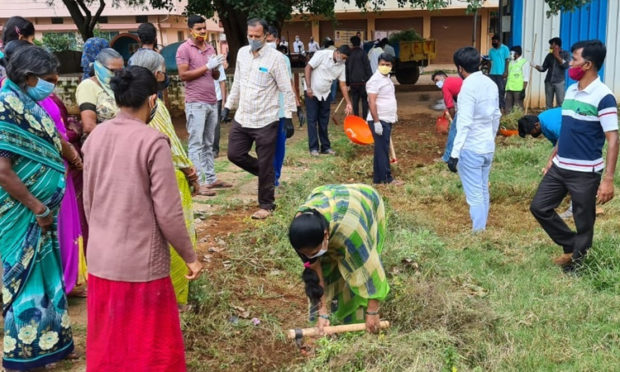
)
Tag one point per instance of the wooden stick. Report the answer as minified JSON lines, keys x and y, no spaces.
{"x":335,"y":111}
{"x":330,"y":330}
{"x":529,"y":83}
{"x":393,"y":159}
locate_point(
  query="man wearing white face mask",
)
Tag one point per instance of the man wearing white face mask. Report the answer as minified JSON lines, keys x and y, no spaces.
{"x":298,"y":45}
{"x":450,"y":88}
{"x":260,"y":75}
{"x":324,"y":67}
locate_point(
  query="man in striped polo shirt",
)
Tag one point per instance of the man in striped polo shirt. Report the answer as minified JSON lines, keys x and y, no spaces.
{"x":589,"y":117}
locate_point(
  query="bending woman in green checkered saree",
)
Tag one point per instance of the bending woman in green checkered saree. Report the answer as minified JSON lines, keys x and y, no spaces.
{"x":339,"y":234}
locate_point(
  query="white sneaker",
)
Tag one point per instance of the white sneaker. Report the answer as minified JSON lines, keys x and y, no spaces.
{"x":439,"y":106}
{"x":568,"y":214}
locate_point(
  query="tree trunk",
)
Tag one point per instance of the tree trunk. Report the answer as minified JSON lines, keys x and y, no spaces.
{"x":235,"y":28}
{"x":82,"y":16}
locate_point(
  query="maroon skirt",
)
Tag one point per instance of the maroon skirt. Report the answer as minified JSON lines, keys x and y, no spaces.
{"x":133,"y":327}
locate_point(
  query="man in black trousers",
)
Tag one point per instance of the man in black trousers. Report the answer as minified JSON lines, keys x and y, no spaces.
{"x":358,"y":73}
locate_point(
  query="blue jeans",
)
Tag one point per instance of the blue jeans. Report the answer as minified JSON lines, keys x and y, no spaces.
{"x":317,"y":113}
{"x":202,"y":118}
{"x":278,"y":158}
{"x":450,"y":141}
{"x":381,"y":170}
{"x":474,"y":172}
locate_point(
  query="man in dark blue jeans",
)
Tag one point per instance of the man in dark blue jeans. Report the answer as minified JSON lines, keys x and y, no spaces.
{"x":381,"y":116}
{"x":324,"y":67}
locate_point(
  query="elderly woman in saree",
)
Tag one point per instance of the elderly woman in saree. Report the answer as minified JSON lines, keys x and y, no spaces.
{"x":186,"y":175}
{"x":339,"y":234}
{"x":94,"y":95}
{"x":37,"y":329}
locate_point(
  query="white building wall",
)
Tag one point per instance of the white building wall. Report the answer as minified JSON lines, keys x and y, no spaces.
{"x":612,"y":74}
{"x":537,"y":26}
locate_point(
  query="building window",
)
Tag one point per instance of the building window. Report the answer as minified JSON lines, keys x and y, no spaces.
{"x":57,"y":20}
{"x":103,"y":20}
{"x":181,"y":35}
{"x":142,"y":19}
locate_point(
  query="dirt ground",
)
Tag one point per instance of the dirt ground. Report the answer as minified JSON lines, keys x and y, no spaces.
{"x":416,"y":145}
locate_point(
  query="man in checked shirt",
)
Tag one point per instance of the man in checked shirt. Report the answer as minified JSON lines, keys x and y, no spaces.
{"x":260,"y":74}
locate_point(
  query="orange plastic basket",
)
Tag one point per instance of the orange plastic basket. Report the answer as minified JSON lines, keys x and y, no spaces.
{"x":357,"y":130}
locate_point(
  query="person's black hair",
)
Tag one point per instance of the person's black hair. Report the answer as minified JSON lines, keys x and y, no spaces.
{"x":16,"y":26}
{"x":282,"y":49}
{"x":387,"y":57}
{"x":258,"y":21}
{"x":517,"y":49}
{"x":468,"y":58}
{"x":383,"y":42}
{"x":10,"y":48}
{"x":147,"y":33}
{"x":132,"y":86}
{"x":438,"y":73}
{"x":555,"y":40}
{"x":327,"y":42}
{"x":271,"y":30}
{"x":526,"y":124}
{"x":344,"y":49}
{"x":593,"y":51}
{"x":308,"y":230}
{"x":30,"y":60}
{"x":193,"y":19}
{"x":495,"y":37}
{"x":355,"y":41}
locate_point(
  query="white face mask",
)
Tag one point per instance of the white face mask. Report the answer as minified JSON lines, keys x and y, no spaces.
{"x":512,"y":55}
{"x":319,"y":253}
{"x":272,"y":44}
{"x":439,"y":84}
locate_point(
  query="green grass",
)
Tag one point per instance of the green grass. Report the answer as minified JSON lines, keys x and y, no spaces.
{"x":489,"y":301}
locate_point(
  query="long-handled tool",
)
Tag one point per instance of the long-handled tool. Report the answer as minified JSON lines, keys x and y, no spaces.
{"x":393,"y":159}
{"x":529,"y":84}
{"x":298,"y":334}
{"x":335,"y":111}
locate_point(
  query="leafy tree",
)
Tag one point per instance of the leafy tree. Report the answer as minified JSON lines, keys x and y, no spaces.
{"x":86,"y":21}
{"x":234,"y":13}
{"x":58,"y":42}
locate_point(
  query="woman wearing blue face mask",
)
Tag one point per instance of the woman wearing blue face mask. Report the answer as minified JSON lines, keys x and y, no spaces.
{"x":339,"y":234}
{"x":94,"y":95}
{"x":37,"y":329}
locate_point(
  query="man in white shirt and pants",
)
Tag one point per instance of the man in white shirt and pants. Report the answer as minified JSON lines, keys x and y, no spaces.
{"x":323,"y":68}
{"x":474,"y":145}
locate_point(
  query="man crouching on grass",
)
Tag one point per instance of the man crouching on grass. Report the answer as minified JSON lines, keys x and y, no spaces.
{"x":589,"y":117}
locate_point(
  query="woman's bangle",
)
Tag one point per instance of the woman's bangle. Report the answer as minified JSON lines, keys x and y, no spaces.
{"x":45,"y":213}
{"x":372,"y":313}
{"x":324,"y":316}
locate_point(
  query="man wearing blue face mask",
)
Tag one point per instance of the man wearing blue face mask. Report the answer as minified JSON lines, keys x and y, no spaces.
{"x":260,"y":75}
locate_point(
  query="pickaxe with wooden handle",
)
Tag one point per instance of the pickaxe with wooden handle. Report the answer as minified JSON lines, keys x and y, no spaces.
{"x":298,"y":333}
{"x":335,"y":111}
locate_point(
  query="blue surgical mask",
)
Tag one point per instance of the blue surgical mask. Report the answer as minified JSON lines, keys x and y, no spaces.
{"x":103,"y":74}
{"x":40,"y":91}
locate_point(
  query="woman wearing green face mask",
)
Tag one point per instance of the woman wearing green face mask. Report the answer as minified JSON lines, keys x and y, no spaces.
{"x":94,"y":96}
